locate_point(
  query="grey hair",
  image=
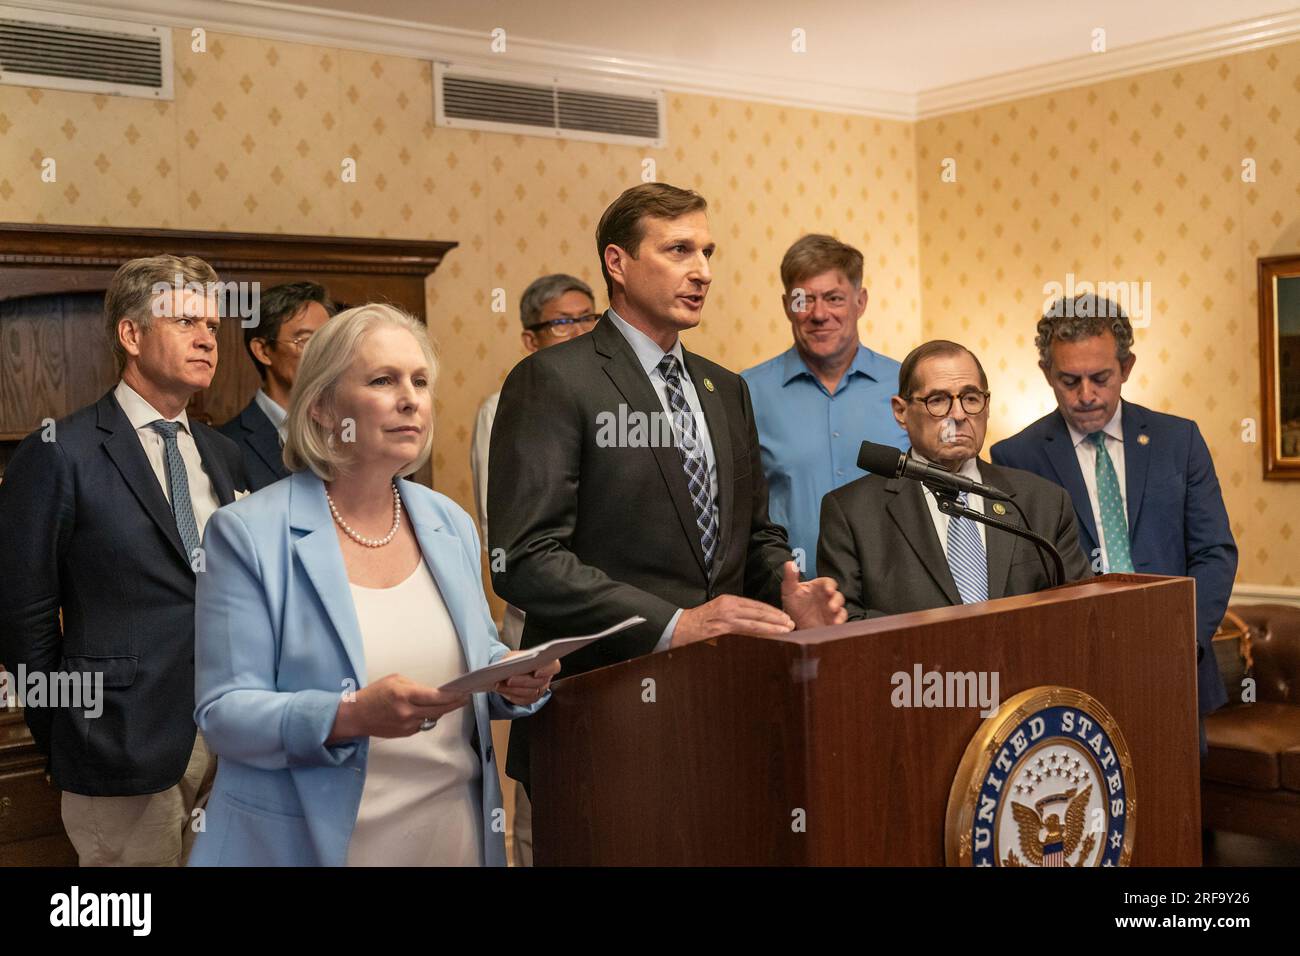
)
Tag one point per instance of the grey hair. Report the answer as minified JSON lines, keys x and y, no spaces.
{"x":1086,"y":315}
{"x":327,"y":357}
{"x":133,"y":287}
{"x":543,"y":290}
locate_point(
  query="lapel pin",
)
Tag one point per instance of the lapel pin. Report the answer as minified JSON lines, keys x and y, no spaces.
{"x":1144,"y":439}
{"x":999,"y":508}
{"x":708,"y":383}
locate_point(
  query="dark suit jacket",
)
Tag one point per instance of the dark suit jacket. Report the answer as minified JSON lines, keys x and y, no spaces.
{"x":591,"y":534}
{"x":259,"y":444}
{"x":1176,"y":520}
{"x":879,"y":543}
{"x":85,"y":527}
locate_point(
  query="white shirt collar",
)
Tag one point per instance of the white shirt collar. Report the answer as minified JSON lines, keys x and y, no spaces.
{"x":647,"y":351}
{"x":271,"y":408}
{"x":139,"y":412}
{"x":1112,"y":429}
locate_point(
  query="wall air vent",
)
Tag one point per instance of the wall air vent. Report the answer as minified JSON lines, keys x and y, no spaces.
{"x":84,"y":54}
{"x":546,"y":106}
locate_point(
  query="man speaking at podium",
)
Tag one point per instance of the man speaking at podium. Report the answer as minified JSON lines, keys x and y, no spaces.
{"x":599,"y":510}
{"x":885,"y":541}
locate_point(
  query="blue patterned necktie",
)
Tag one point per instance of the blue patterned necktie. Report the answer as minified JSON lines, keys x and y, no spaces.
{"x":179,"y":482}
{"x":966,"y":558}
{"x":694,"y":462}
{"x":1114,"y":523}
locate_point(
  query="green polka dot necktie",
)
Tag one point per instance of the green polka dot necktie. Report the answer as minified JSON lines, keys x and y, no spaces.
{"x":1114,"y":523}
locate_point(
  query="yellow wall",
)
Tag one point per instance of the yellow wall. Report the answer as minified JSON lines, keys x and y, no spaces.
{"x":254,"y":140}
{"x":1131,"y":179}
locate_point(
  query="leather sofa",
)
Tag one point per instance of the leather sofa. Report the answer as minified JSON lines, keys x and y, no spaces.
{"x":1250,"y":778}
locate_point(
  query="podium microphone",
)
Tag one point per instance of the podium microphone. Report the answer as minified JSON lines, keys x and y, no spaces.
{"x":889,"y":462}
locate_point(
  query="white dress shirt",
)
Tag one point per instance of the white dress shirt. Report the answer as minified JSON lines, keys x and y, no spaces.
{"x":512,"y":624}
{"x":649,"y":355}
{"x":272,"y":410}
{"x":203,"y":497}
{"x":969,"y":469}
{"x":1086,"y":452}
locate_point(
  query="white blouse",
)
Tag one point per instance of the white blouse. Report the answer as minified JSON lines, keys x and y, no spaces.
{"x":422,"y":801}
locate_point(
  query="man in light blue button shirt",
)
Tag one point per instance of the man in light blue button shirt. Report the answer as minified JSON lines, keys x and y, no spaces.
{"x":818,"y":401}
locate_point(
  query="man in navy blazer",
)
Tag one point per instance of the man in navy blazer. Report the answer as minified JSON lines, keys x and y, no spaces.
{"x":288,"y":316}
{"x":1142,"y":482}
{"x":101,"y":515}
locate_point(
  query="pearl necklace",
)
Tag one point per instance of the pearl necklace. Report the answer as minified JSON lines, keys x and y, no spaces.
{"x":369,"y":542}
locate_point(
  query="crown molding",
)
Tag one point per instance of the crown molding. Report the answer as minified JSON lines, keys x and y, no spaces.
{"x":278,"y":21}
{"x":270,"y":20}
{"x":1194,"y":47}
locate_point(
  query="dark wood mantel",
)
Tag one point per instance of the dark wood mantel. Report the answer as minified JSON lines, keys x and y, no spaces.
{"x":49,"y":368}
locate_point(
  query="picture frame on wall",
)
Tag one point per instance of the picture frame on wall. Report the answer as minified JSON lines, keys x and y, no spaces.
{"x":1279,"y":366}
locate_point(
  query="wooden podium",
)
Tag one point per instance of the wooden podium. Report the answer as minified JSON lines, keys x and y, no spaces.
{"x":705,"y":756}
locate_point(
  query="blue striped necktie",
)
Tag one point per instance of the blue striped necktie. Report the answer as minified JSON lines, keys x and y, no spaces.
{"x":179,"y":483}
{"x":966,"y":558}
{"x":694,"y":462}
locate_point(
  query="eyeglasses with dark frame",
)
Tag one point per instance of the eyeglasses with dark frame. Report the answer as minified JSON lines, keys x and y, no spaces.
{"x":940,"y":403}
{"x":567,"y":325}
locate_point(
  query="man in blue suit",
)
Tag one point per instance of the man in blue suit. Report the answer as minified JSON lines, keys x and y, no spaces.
{"x":288,"y":316}
{"x":101,"y":518}
{"x":1143,"y":483}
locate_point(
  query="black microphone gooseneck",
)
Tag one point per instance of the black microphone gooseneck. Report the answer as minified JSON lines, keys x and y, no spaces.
{"x":890,"y":462}
{"x":948,"y":504}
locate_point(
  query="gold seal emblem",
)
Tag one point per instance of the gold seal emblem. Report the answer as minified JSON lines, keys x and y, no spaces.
{"x":1046,"y":781}
{"x":1144,"y":439}
{"x":708,"y":383}
{"x":999,"y":508}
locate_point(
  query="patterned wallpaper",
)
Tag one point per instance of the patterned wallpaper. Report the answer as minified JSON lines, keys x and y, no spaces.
{"x":1136,"y":180}
{"x":254,"y":141}
{"x":1132,"y":179}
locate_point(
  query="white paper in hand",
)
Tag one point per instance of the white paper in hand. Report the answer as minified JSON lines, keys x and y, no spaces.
{"x":486,"y":678}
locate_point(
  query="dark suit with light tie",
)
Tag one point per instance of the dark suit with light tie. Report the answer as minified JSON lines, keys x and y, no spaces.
{"x":259,"y":443}
{"x":593,"y":534}
{"x":86,"y":528}
{"x":1176,"y":519}
{"x":879,"y":542}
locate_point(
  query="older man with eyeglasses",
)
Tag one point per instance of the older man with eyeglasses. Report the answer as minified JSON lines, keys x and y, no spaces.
{"x":553,"y":309}
{"x":885,"y":541}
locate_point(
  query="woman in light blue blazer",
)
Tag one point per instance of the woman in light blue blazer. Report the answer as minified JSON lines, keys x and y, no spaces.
{"x":332,"y":606}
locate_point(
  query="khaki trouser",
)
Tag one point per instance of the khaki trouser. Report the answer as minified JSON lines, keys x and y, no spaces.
{"x":152,"y":829}
{"x":523,"y":828}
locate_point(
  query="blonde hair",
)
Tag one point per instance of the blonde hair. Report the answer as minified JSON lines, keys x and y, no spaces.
{"x":328,"y":356}
{"x":133,"y":287}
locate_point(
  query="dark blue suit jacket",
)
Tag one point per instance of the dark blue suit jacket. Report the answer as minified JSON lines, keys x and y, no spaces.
{"x":1176,"y":519}
{"x":259,"y":443}
{"x":85,"y":527}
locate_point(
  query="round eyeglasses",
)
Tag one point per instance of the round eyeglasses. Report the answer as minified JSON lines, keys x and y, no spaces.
{"x":940,"y":403}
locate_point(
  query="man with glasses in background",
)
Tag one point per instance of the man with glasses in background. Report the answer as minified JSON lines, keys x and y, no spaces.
{"x":553,"y":309}
{"x":288,"y":316}
{"x":885,"y":541}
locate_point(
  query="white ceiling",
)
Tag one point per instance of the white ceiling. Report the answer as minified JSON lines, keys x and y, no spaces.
{"x":899,"y":46}
{"x":904,"y":59}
